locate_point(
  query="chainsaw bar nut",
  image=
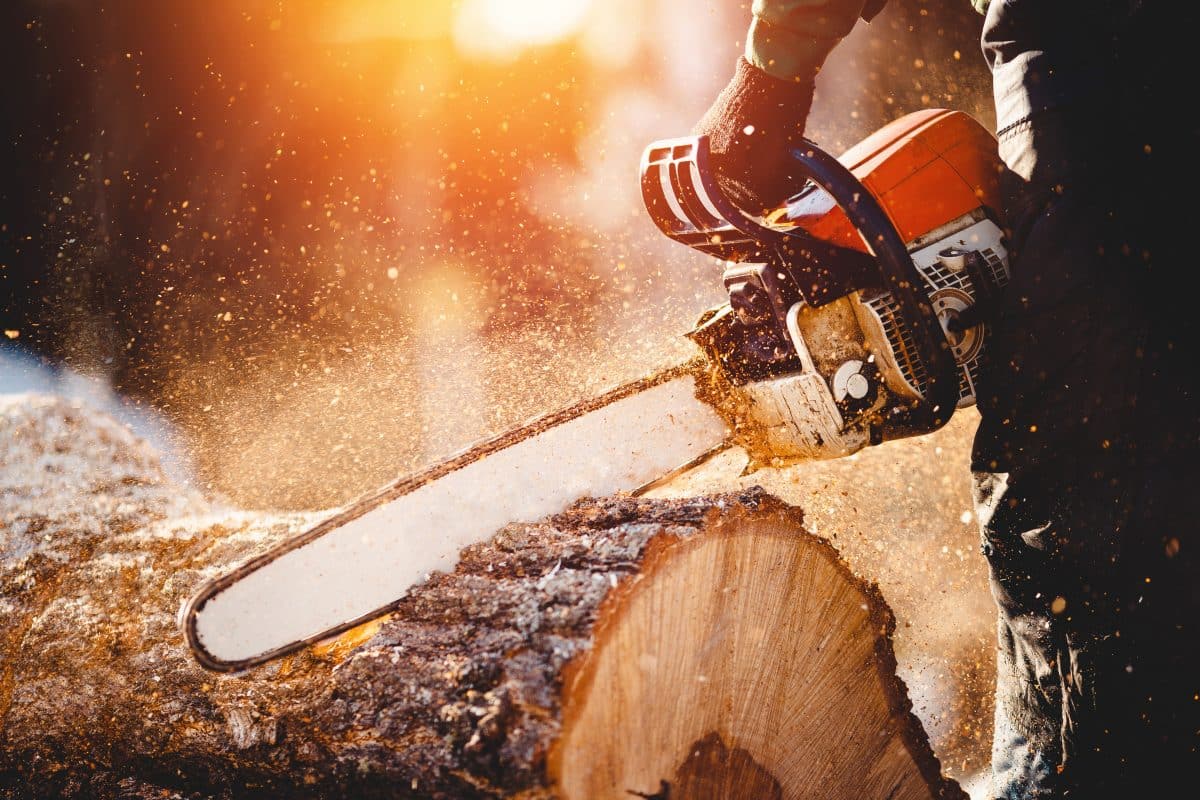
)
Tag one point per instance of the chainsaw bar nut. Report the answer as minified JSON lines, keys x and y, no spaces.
{"x":854,"y":385}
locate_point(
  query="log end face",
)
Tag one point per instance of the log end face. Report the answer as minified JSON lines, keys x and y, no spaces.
{"x":745,"y":660}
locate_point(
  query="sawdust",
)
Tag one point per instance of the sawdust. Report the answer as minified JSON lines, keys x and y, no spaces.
{"x":60,"y":460}
{"x":80,"y":496}
{"x":69,"y":472}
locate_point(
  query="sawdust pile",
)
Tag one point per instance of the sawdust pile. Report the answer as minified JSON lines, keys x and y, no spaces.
{"x":97,"y":548}
{"x":70,"y":474}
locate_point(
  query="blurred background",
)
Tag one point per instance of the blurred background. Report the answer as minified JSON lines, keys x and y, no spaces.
{"x":310,"y":245}
{"x":330,"y":240}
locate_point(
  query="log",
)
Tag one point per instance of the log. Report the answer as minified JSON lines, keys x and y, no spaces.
{"x":702,"y":647}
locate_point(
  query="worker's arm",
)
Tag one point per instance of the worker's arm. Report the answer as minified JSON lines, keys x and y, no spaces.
{"x":790,"y":39}
{"x":764,"y":107}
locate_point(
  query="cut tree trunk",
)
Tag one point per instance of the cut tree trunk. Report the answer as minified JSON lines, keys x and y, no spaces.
{"x":698,"y":648}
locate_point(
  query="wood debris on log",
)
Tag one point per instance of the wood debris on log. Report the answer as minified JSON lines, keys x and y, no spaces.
{"x":704,"y":647}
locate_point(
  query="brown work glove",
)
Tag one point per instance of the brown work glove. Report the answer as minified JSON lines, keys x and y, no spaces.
{"x":751,"y":125}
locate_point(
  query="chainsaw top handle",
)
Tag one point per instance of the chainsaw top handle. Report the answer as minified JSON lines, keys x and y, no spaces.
{"x":683,"y":199}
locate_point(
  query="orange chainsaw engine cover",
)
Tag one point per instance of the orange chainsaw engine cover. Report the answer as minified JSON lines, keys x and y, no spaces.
{"x":927,"y":169}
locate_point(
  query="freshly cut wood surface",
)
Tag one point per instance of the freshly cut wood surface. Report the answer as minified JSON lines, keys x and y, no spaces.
{"x":743,"y":662}
{"x":700,"y":647}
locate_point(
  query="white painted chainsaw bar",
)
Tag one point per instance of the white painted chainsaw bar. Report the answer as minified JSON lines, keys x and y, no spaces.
{"x":360,"y":562}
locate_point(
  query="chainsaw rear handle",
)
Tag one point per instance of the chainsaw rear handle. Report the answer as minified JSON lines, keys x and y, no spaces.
{"x":686,"y":204}
{"x":899,"y":274}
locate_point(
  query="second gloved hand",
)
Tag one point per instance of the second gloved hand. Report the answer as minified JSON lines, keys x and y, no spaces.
{"x":751,"y":125}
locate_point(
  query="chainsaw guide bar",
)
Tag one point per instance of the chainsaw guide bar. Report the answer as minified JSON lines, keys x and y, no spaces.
{"x":360,"y":562}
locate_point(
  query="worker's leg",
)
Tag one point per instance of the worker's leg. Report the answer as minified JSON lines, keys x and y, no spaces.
{"x":1026,"y":750}
{"x":1098,"y":687}
{"x":1085,"y":450}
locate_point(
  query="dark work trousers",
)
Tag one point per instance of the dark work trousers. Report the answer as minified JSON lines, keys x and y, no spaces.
{"x":1085,"y":463}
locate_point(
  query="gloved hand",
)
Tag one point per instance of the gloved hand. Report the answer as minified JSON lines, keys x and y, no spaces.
{"x":751,"y":125}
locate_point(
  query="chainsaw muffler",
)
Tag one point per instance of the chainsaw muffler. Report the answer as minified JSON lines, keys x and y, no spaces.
{"x":856,"y":312}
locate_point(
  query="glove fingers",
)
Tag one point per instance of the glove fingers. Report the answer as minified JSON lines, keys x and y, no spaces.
{"x":751,"y":125}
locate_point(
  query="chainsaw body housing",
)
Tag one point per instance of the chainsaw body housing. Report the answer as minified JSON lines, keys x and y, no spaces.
{"x":856,"y":311}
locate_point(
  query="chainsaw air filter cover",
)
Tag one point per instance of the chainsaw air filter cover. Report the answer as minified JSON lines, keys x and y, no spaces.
{"x":856,"y":311}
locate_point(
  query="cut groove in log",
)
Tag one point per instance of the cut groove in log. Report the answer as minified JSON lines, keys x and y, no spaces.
{"x":746,"y":662}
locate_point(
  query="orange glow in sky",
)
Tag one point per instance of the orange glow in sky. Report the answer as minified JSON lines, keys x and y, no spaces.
{"x":502,"y":28}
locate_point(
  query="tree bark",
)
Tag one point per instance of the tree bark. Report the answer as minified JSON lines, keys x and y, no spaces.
{"x":705,"y":647}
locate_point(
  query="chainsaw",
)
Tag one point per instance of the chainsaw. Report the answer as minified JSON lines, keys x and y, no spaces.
{"x":855,"y":315}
